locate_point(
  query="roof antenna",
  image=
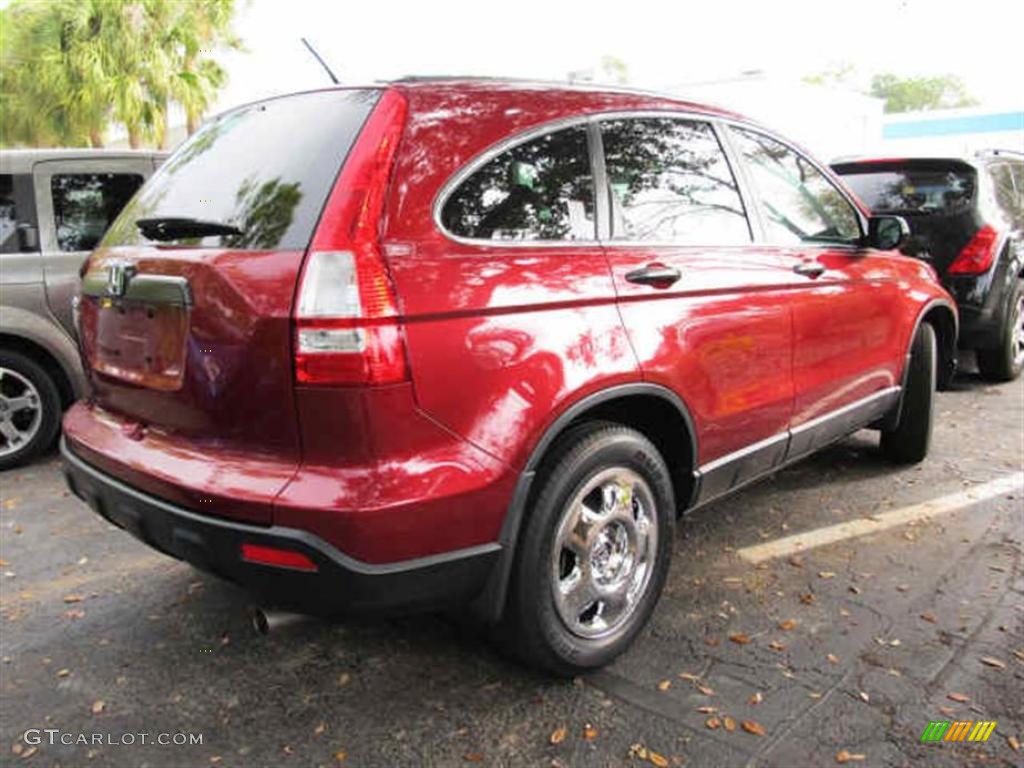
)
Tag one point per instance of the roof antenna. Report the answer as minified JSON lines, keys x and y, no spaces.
{"x":323,"y":64}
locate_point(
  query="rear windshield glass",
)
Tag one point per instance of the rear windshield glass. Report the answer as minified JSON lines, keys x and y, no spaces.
{"x":913,"y":191}
{"x":263,"y":170}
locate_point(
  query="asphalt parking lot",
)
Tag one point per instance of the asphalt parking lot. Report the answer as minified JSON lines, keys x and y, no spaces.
{"x":840,"y":653}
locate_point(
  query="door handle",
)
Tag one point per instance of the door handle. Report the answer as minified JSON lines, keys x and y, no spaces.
{"x":811,"y":269}
{"x":658,"y":275}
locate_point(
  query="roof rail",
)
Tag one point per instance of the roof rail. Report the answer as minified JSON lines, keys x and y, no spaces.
{"x":994,"y":152}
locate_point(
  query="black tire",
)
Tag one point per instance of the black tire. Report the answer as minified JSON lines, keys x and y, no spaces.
{"x":1005,"y":362}
{"x":532,"y":627}
{"x":908,"y":442}
{"x":48,"y":399}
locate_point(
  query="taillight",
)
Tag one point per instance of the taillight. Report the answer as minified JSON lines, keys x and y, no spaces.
{"x":347,"y":324}
{"x":977,"y":256}
{"x":280,"y":558}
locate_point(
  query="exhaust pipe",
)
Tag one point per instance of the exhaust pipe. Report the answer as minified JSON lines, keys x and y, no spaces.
{"x":266,"y":619}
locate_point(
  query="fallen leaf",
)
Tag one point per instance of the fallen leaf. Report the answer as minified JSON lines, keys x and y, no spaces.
{"x":946,"y":710}
{"x":589,"y":732}
{"x":707,"y":710}
{"x":826,"y":574}
{"x":707,"y":691}
{"x":63,"y":672}
{"x":832,"y":658}
{"x":754,"y":727}
{"x":1018,"y":654}
{"x":73,"y":598}
{"x":320,"y":729}
{"x":17,"y":748}
{"x":902,"y":587}
{"x":843,"y":612}
{"x":559,"y":734}
{"x":855,"y":589}
{"x":75,"y":613}
{"x":287,"y":749}
{"x":796,"y":561}
{"x":775,"y":645}
{"x":807,"y":598}
{"x":929,"y":617}
{"x":842,"y":756}
{"x":864,"y":697}
{"x":815,"y":695}
{"x":657,"y":760}
{"x":757,"y":698}
{"x":639,"y":751}
{"x":29,"y":752}
{"x":739,"y":637}
{"x":895,"y":643}
{"x":98,"y":706}
{"x":340,"y":756}
{"x":959,"y":697}
{"x":688,"y":676}
{"x":1014,"y":743}
{"x":344,"y":679}
{"x":712,"y":641}
{"x":989,"y":661}
{"x":787,"y":625}
{"x":729,"y":723}
{"x":473,"y":757}
{"x":713,"y":723}
{"x":664,"y":685}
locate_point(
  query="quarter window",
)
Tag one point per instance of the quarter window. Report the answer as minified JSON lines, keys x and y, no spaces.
{"x":539,"y":190}
{"x":800,"y":204}
{"x":670,"y":182}
{"x":86,"y":204}
{"x":17,"y":213}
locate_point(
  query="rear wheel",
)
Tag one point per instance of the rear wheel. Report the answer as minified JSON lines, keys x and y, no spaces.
{"x":29,"y":409}
{"x":1005,"y":362}
{"x":908,"y":442}
{"x":594,"y":553}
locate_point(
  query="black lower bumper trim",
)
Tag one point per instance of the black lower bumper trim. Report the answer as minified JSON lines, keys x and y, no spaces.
{"x":340,"y":585}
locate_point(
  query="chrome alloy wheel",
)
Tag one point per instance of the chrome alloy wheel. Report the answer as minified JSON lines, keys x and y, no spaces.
{"x":21,"y":411}
{"x":603,"y":554}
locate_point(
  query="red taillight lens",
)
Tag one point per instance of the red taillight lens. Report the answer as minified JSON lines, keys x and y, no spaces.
{"x":977,"y":256}
{"x":347,"y":324}
{"x":281,"y":558}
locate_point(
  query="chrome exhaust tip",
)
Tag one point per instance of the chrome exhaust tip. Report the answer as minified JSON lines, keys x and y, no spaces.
{"x":265,"y":620}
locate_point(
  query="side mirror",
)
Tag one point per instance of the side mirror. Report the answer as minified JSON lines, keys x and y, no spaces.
{"x":887,"y":232}
{"x":28,"y":238}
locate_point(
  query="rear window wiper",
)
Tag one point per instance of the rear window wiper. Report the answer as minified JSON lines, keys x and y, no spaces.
{"x":174,"y":228}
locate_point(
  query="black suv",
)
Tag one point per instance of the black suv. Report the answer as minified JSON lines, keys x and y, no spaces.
{"x":966,"y":219}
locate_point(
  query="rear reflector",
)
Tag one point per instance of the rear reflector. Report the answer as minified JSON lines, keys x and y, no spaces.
{"x":347,"y":324}
{"x":977,"y":256}
{"x":281,"y":558}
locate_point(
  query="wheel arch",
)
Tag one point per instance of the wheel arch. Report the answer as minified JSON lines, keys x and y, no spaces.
{"x":46,"y":359}
{"x":655,"y":411}
{"x":942,"y":316}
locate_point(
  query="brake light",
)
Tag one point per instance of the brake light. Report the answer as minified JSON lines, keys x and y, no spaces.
{"x":347,"y":324}
{"x":281,"y":558}
{"x":977,"y":256}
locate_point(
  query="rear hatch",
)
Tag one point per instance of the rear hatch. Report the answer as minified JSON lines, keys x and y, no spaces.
{"x":185,"y":314}
{"x":937,"y":198}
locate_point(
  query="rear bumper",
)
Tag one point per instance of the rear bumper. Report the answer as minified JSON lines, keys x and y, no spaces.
{"x":341,"y":584}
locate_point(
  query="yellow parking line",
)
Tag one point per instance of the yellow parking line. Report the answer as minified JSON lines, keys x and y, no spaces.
{"x":864,"y":526}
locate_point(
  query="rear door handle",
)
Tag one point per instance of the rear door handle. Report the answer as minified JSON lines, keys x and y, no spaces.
{"x":658,"y":275}
{"x":810,"y":269}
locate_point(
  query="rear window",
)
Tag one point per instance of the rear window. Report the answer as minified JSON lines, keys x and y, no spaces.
{"x":926,"y":190}
{"x":264,"y":169}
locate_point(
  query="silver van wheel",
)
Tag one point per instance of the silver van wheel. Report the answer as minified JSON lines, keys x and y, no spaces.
{"x":21,"y":411}
{"x":603,"y":554}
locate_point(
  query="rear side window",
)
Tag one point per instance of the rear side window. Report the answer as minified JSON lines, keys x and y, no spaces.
{"x":541,"y":189}
{"x":799,"y":203}
{"x":17,"y":213}
{"x":264,"y":169}
{"x":1009,"y":197}
{"x":908,"y":190}
{"x":86,"y":204}
{"x":670,"y":182}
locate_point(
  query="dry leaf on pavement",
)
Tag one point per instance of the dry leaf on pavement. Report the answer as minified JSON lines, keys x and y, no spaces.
{"x":962,"y":698}
{"x":707,"y":691}
{"x":757,"y":698}
{"x":664,"y":685}
{"x":657,"y":760}
{"x":775,"y":645}
{"x":754,"y":727}
{"x":98,"y":706}
{"x":739,"y":637}
{"x":832,"y":658}
{"x":929,"y":617}
{"x":73,"y":598}
{"x":473,"y":757}
{"x":807,"y":598}
{"x":787,"y":625}
{"x":843,"y":756}
{"x":989,"y":661}
{"x":729,"y":723}
{"x":559,"y":735}
{"x":589,"y":732}
{"x":1014,"y":743}
{"x":707,"y":710}
{"x":713,"y":723}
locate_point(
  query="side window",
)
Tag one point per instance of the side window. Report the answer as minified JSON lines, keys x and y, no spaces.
{"x":86,"y":204}
{"x":1008,"y":197}
{"x":670,"y":182}
{"x":539,"y":190}
{"x":800,"y":204}
{"x":18,"y":229}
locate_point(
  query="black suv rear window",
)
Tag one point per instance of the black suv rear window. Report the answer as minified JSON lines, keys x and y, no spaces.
{"x":264,"y":169}
{"x":912,"y":190}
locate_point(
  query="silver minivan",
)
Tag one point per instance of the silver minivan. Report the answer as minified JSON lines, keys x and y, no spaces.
{"x":55,"y":205}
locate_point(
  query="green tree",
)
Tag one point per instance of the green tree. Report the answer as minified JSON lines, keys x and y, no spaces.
{"x":905,"y":94}
{"x":68,"y":68}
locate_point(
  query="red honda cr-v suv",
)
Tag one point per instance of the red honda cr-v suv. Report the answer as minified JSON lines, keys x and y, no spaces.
{"x":455,"y":341}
